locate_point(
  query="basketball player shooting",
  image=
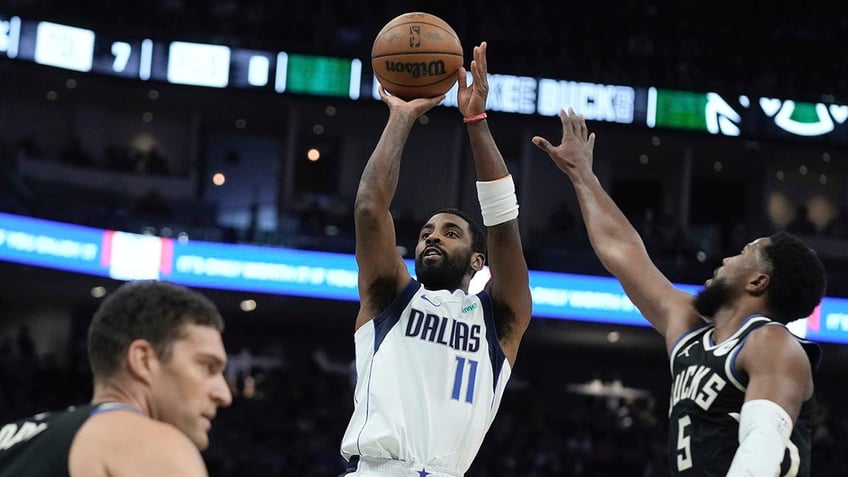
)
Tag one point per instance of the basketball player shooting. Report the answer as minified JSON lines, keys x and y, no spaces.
{"x":432,"y":361}
{"x":742,"y":387}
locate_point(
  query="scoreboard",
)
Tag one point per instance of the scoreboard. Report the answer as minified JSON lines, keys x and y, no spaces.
{"x":177,"y":62}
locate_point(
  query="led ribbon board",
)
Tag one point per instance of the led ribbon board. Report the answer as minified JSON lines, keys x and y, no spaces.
{"x":321,"y":275}
{"x":221,"y":66}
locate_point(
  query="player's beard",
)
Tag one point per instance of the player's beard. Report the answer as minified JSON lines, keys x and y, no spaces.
{"x":446,"y":275}
{"x":714,"y":296}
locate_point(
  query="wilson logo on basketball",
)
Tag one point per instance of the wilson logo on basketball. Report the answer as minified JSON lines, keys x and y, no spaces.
{"x":416,"y":69}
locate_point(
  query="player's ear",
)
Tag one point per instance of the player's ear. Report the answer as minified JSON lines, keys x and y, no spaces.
{"x":477,"y":261}
{"x":142,"y":361}
{"x":758,"y":284}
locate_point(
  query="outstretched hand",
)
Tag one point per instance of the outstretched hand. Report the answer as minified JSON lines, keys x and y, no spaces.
{"x":574,"y":153}
{"x":471,"y":100}
{"x":414,"y":107}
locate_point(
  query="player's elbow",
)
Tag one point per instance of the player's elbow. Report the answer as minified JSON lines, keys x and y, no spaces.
{"x":368,"y":208}
{"x":617,"y":256}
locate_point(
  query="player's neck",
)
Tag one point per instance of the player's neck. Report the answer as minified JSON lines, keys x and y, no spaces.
{"x":451,"y":288}
{"x":115,"y":392}
{"x":728,"y":319}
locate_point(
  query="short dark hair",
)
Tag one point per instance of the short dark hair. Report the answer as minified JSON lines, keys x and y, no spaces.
{"x":152,"y":310}
{"x":798,"y":278}
{"x":478,"y":235}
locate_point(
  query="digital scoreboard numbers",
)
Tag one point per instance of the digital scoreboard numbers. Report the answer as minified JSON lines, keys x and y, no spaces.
{"x":178,"y":62}
{"x":74,"y":48}
{"x":64,"y":46}
{"x":214,"y":66}
{"x":252,"y":68}
{"x":122,"y":57}
{"x":10,"y":34}
{"x":198,"y":64}
{"x":185,"y":63}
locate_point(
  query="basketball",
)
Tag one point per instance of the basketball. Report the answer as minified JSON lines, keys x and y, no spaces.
{"x":416,"y":55}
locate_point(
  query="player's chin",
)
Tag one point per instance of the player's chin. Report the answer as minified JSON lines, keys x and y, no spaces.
{"x":432,"y":260}
{"x":201,"y":440}
{"x":200,"y":434}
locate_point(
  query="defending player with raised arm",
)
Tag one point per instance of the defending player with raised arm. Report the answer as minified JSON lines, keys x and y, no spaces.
{"x":742,"y":385}
{"x":157,"y":359}
{"x":432,"y":360}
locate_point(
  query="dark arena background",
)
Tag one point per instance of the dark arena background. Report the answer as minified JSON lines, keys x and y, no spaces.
{"x":218,"y":144}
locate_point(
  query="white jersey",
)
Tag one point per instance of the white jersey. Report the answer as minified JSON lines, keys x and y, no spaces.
{"x":430,"y":377}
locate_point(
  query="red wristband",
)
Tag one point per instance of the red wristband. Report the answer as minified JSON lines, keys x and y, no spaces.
{"x":474,"y":118}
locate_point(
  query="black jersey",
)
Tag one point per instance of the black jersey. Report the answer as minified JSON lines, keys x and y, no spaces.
{"x":39,"y":446}
{"x":707,"y":394}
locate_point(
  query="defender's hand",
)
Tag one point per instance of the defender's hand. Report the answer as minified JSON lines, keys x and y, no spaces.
{"x":574,"y":153}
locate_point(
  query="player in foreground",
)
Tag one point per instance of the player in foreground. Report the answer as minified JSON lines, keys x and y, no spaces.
{"x":157,"y":358}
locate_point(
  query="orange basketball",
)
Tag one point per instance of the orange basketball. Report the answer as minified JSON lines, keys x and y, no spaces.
{"x":416,"y":55}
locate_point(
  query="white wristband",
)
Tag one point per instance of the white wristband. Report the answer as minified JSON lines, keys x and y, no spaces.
{"x":498,"y":203}
{"x":764,"y":430}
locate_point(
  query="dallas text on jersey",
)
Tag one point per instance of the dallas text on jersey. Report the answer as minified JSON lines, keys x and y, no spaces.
{"x":443,"y":330}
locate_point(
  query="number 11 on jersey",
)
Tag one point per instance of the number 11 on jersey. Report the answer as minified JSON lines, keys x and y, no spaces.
{"x":459,"y":379}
